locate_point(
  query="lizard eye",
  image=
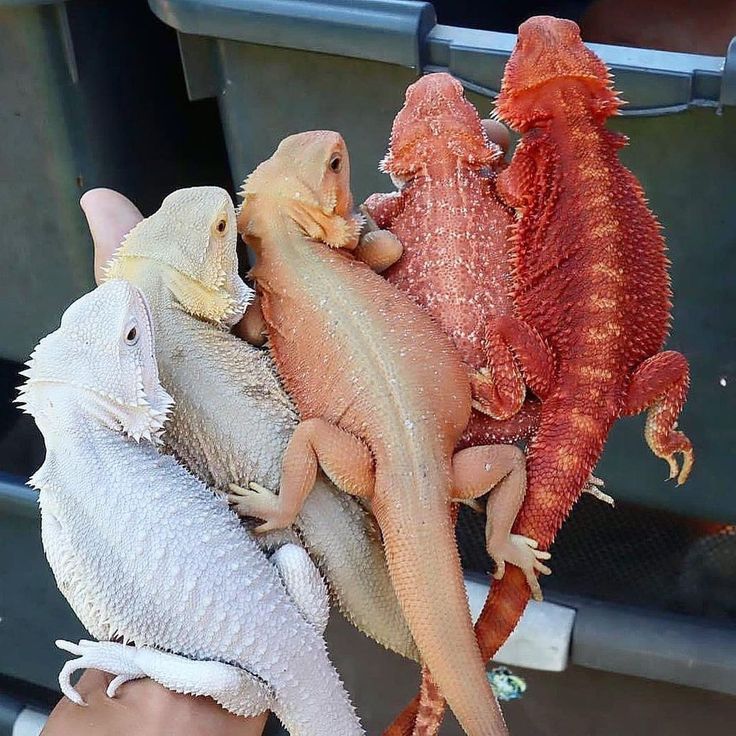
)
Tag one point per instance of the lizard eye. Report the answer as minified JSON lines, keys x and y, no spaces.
{"x":221,"y":225}
{"x":336,"y":163}
{"x":132,"y":335}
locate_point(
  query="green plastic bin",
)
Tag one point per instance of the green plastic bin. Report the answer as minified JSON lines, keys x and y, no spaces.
{"x":92,"y":95}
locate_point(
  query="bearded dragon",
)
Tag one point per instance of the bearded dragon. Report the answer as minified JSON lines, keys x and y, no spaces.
{"x":453,"y":227}
{"x":232,"y":420}
{"x":589,"y":352}
{"x":146,"y":553}
{"x":455,"y":265}
{"x":383,"y":398}
{"x":590,"y":277}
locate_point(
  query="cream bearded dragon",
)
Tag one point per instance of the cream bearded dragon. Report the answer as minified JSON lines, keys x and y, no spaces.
{"x":145,"y":553}
{"x":383,"y":397}
{"x":232,"y":420}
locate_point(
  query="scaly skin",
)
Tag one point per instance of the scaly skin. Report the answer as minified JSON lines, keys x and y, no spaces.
{"x":146,"y":553}
{"x":383,"y":398}
{"x":455,"y":265}
{"x":232,"y":420}
{"x":453,"y":228}
{"x":590,"y":278}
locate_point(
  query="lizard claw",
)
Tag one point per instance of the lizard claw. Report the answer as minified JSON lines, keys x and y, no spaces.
{"x":524,"y":553}
{"x":594,"y":487}
{"x":107,"y":656}
{"x":69,"y":668}
{"x":260,"y":502}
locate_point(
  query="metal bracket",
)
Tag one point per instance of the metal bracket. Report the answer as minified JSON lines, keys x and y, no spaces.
{"x":391,"y":31}
{"x":653,"y":82}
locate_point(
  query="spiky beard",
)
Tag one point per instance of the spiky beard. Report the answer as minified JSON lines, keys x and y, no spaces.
{"x":146,"y":418}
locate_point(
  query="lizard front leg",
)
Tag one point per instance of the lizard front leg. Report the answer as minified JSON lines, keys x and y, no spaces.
{"x":344,"y":458}
{"x":660,"y":385}
{"x":232,"y":687}
{"x":518,"y":357}
{"x":377,"y":247}
{"x":252,"y":327}
{"x":502,"y":470}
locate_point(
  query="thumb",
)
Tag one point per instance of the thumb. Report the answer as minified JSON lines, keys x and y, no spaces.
{"x":110,"y":217}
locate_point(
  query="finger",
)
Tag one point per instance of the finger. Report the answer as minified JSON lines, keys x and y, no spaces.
{"x":500,"y":570}
{"x":110,"y":217}
{"x":542,"y":555}
{"x":498,"y":133}
{"x":542,"y":568}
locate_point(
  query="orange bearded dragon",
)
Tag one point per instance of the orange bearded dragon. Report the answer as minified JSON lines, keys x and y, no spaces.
{"x":383,"y":398}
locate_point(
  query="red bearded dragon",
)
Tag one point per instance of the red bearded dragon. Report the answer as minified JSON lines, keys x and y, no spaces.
{"x":590,"y":297}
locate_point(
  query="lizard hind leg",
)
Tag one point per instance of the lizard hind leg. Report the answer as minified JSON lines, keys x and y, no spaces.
{"x":304,"y":584}
{"x":518,"y":358}
{"x":660,"y":386}
{"x":233,"y":688}
{"x":316,"y":443}
{"x":502,"y":470}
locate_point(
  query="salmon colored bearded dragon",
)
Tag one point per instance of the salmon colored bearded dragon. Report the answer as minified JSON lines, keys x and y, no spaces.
{"x":383,"y":398}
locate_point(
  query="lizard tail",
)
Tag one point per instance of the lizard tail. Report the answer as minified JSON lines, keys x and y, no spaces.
{"x":557,"y":472}
{"x":501,"y":613}
{"x":422,"y":558}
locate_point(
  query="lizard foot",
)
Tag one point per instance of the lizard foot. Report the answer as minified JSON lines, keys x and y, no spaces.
{"x":261,"y":503}
{"x":232,"y":687}
{"x":522,"y":552}
{"x":594,"y":487}
{"x":110,"y":657}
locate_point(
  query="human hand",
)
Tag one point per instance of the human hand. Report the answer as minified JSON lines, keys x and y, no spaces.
{"x":144,"y":708}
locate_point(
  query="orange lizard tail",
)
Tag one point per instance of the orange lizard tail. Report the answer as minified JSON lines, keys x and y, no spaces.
{"x":501,"y":613}
{"x":557,"y":471}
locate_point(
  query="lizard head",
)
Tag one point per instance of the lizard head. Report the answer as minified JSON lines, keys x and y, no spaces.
{"x":437,"y":125}
{"x":549,"y":56}
{"x":101,"y":360}
{"x":308,"y":179}
{"x":192,"y":238}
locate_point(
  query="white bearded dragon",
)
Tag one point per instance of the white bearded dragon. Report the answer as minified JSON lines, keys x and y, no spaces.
{"x":146,"y":554}
{"x":232,"y":420}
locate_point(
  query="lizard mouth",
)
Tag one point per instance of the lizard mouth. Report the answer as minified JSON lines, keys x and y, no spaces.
{"x":145,"y":418}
